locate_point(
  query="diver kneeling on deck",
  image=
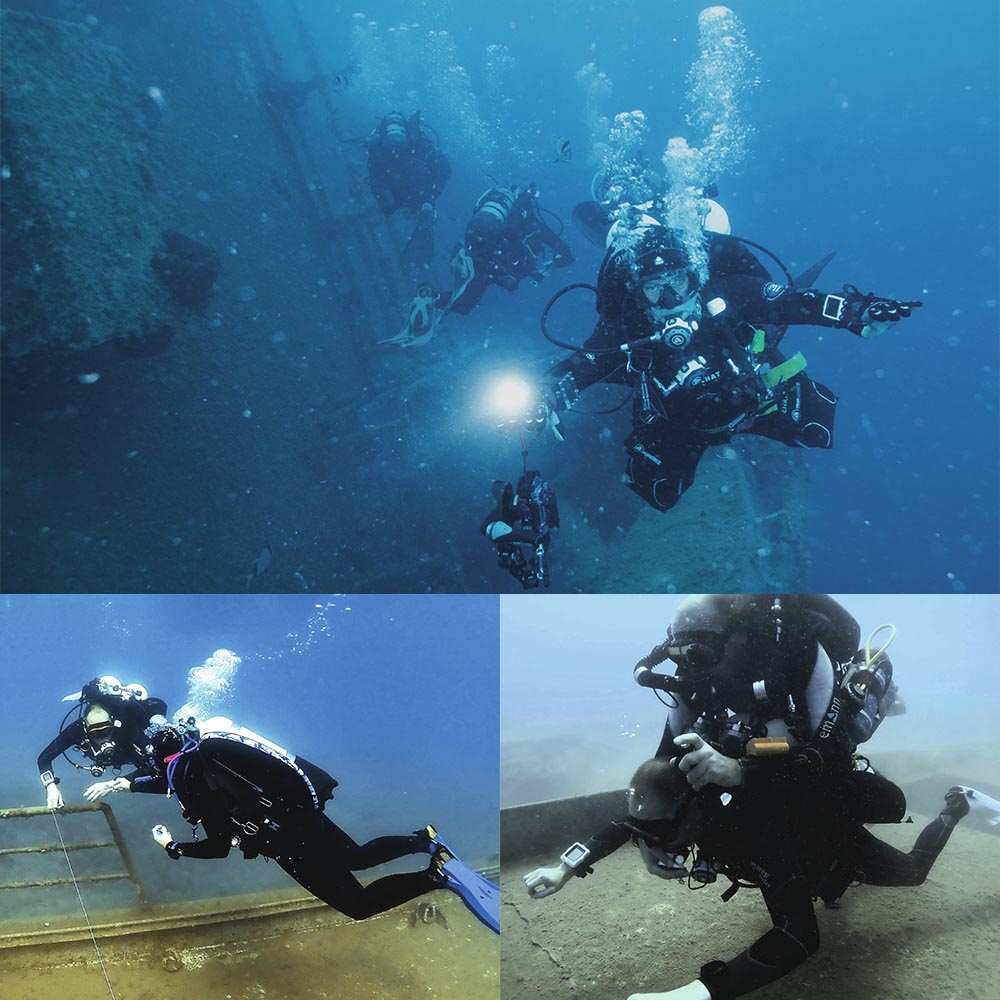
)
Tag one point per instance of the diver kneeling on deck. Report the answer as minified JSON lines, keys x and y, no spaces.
{"x":791,"y":857}
{"x":250,"y":793}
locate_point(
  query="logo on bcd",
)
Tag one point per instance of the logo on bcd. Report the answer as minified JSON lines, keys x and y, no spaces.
{"x":832,"y":717}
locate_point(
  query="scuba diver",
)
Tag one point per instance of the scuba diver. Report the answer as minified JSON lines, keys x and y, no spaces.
{"x":700,"y":362}
{"x":772,"y":696}
{"x":778,"y":695}
{"x":506,"y":240}
{"x":786,"y":852}
{"x":250,"y":793}
{"x":520,"y":524}
{"x":407,"y":171}
{"x":109,"y":719}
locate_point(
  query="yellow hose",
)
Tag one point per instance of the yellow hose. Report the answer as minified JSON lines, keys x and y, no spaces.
{"x":869,"y":659}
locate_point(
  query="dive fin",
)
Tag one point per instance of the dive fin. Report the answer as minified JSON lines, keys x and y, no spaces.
{"x":479,"y":894}
{"x":593,"y":221}
{"x":987,"y":807}
{"x":808,"y":277}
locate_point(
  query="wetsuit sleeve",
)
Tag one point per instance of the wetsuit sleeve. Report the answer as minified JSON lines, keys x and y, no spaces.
{"x":606,"y":841}
{"x":597,"y":362}
{"x":215,"y":845}
{"x":70,"y":736}
{"x":143,"y":781}
{"x":563,"y":256}
{"x":759,"y":301}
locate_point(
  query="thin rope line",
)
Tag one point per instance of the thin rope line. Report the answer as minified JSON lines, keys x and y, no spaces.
{"x":86,"y":915}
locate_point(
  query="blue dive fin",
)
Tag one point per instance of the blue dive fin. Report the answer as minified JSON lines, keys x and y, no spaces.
{"x":478,"y":893}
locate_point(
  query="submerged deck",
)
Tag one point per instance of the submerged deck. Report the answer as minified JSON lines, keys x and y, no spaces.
{"x":621,"y":930}
{"x":283,"y":944}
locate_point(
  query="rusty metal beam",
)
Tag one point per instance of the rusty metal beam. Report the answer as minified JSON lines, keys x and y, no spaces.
{"x":63,"y":881}
{"x":27,"y":812}
{"x":46,"y":848}
{"x":123,"y":850}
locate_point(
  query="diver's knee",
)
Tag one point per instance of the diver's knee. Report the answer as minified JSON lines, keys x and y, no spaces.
{"x":661,"y":494}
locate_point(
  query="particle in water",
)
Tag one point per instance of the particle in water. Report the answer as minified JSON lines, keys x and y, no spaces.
{"x":248,"y":413}
{"x":88,"y":378}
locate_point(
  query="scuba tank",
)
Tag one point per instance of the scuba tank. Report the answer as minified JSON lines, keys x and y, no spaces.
{"x":392,"y":128}
{"x":868,"y":685}
{"x":490,"y":215}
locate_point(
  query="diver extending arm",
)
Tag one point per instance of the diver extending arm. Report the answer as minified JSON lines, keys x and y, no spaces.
{"x":577,"y":859}
{"x":866,"y":316}
{"x":68,"y":737}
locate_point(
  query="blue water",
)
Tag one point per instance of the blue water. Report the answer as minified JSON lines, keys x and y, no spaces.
{"x":394,"y":696}
{"x":874,"y":134}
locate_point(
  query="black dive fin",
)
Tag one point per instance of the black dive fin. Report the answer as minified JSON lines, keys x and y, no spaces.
{"x":593,"y":221}
{"x":807,"y":279}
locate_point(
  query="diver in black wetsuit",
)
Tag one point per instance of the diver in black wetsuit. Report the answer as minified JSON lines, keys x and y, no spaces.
{"x":247,"y":792}
{"x":777,"y":667}
{"x":108,"y":732}
{"x":769,"y":701}
{"x":701,"y":366}
{"x":520,"y":526}
{"x":783,"y":851}
{"x":506,"y":241}
{"x":407,"y":172}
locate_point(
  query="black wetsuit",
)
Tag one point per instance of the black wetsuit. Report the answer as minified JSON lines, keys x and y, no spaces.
{"x":701,"y":393}
{"x":129,"y":742}
{"x":793,"y":855}
{"x":309,"y":846}
{"x":749,"y":649}
{"x":506,"y":255}
{"x":530,"y":513}
{"x":408,"y":173}
{"x":795,"y":851}
{"x":795,"y":825}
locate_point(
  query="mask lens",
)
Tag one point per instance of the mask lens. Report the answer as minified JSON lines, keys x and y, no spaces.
{"x":655,"y":287}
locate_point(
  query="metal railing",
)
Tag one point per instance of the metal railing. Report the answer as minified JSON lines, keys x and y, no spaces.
{"x":116,"y":841}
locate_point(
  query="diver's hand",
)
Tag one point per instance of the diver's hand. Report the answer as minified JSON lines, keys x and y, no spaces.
{"x":693,"y":991}
{"x":102,"y":788}
{"x":162,"y":835}
{"x":53,"y":797}
{"x":870,"y":317}
{"x":704,"y":765}
{"x":880,"y":316}
{"x":544,"y":882}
